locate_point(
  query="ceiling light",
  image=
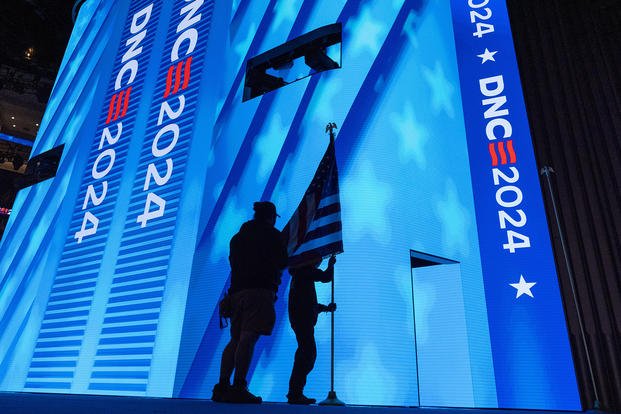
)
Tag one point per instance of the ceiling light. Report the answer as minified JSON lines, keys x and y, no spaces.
{"x":29,"y":53}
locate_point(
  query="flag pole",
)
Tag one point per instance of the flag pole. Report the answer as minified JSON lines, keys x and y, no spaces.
{"x":332,"y":399}
{"x":547,"y":171}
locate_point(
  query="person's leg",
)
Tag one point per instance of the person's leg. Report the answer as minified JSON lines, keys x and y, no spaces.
{"x":221,"y":390}
{"x":259,"y":317}
{"x":227,"y":364}
{"x":304,"y":360}
{"x":243,"y":357}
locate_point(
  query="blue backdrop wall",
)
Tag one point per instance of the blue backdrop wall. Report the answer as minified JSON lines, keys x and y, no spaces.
{"x":111,"y":272}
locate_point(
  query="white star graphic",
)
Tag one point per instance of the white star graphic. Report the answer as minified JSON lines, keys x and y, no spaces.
{"x":441,"y":89}
{"x":219,"y":106}
{"x":409,"y":28}
{"x":397,"y":4}
{"x":487,"y":56}
{"x":268,"y":145}
{"x":284,"y":11}
{"x":380,"y":84}
{"x":241,"y":47}
{"x":323,"y":106}
{"x":363,"y":376}
{"x":413,"y":136}
{"x":455,"y":221}
{"x":211,"y":158}
{"x":366,"y":33}
{"x":231,"y":218}
{"x":235,"y":5}
{"x":523,"y":287}
{"x":217,"y":190}
{"x":370,"y":218}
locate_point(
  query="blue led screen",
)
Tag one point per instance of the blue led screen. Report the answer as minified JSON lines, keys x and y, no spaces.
{"x":111,"y":272}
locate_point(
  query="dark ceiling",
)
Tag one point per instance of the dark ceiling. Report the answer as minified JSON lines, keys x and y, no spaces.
{"x":44,"y":25}
{"x":33,"y":37}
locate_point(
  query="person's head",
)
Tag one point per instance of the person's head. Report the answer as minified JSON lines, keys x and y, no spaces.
{"x":265,"y":211}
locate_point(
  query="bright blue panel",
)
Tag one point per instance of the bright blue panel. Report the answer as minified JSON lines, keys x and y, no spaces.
{"x":444,"y":371}
{"x":530,"y":347}
{"x":110,"y":273}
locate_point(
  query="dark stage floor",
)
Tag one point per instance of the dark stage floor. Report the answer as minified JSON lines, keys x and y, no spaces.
{"x":22,"y":403}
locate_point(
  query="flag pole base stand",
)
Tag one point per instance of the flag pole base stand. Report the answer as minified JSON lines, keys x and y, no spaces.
{"x":596,"y":408}
{"x":332,"y":400}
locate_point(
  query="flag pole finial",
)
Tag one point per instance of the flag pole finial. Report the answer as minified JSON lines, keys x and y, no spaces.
{"x":330,"y":128}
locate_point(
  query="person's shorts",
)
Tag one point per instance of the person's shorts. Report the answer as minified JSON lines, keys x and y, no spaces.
{"x":253,"y":310}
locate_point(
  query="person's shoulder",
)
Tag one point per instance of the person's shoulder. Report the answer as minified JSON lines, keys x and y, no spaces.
{"x":245,"y":228}
{"x":247,"y":225}
{"x":243,"y":232}
{"x":276,"y":232}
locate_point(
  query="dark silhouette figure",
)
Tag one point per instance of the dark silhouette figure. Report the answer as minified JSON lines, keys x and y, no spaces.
{"x":303,"y":311}
{"x":257,"y":256}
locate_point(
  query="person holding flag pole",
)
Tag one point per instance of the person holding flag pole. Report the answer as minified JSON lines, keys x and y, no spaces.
{"x":303,"y":312}
{"x":315,"y":231}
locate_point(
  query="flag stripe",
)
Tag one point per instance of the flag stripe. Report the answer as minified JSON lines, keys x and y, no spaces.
{"x":326,"y":211}
{"x":323,"y":231}
{"x":316,"y":243}
{"x":323,"y":251}
{"x":324,"y":221}
{"x":329,"y":200}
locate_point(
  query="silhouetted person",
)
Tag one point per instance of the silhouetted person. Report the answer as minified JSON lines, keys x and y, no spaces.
{"x":257,"y":256}
{"x":303,"y":311}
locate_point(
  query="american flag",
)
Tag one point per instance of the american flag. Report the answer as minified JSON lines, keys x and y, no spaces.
{"x":315,"y":226}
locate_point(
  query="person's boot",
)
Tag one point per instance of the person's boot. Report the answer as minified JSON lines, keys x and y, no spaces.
{"x":221,"y":392}
{"x":239,"y":394}
{"x":299,"y":398}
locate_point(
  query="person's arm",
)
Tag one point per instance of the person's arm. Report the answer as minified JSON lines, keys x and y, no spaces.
{"x":281,"y":252}
{"x":331,"y":307}
{"x":279,"y":256}
{"x":327,"y":275}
